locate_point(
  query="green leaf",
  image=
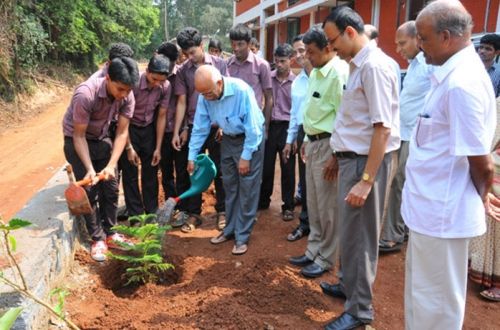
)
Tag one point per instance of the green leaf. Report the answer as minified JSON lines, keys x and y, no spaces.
{"x":7,"y":320}
{"x":13,"y":243}
{"x":18,"y":223}
{"x":61,"y":295}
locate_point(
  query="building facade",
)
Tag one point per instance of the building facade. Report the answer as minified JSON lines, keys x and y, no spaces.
{"x":278,"y":21}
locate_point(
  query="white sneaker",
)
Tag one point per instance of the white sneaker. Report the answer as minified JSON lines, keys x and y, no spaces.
{"x":113,"y":242}
{"x":98,"y":251}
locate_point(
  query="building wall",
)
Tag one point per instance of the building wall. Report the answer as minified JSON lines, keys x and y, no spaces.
{"x":364,"y":8}
{"x":244,"y":5}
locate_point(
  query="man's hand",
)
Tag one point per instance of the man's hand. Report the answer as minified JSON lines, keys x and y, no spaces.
{"x":244,"y":167}
{"x":190,"y":167}
{"x":184,"y":137}
{"x":156,"y":157}
{"x":91,"y":175}
{"x":289,"y":151}
{"x":358,"y":194}
{"x":331,"y":169}
{"x":176,"y":142}
{"x":133,"y":157}
{"x":303,"y":152}
{"x":218,"y":135}
{"x":109,"y":173}
{"x":492,"y":206}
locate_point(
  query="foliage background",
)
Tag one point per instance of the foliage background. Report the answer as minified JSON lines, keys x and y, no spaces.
{"x":35,"y":34}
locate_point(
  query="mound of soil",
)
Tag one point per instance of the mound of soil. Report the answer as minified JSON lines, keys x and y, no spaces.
{"x":212,"y":289}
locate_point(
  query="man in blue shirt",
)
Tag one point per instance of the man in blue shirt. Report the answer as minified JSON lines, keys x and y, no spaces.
{"x":416,"y":85}
{"x":489,"y":49}
{"x":230,"y":103}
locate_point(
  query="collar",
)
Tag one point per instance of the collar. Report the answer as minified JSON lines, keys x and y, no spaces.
{"x":274,"y":75}
{"x":143,"y":82}
{"x":441,"y":72}
{"x":228,"y":88}
{"x":362,"y":55}
{"x":493,"y":68}
{"x":325,"y":69}
{"x":103,"y":83}
{"x":250,"y":58}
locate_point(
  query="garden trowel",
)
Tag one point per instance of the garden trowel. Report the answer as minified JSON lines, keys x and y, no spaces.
{"x":76,"y":197}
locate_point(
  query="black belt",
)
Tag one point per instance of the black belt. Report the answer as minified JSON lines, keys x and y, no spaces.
{"x":319,"y":136}
{"x":348,"y":154}
{"x":237,"y":136}
{"x":279,"y":122}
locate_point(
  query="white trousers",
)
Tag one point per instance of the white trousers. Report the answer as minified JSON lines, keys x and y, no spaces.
{"x":435,"y":282}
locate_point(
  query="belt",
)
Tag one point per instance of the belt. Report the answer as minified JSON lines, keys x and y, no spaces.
{"x":278,"y":122}
{"x":348,"y":154}
{"x":234,"y":137}
{"x":319,"y":136}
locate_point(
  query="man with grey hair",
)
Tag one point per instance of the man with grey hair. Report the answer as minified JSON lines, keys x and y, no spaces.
{"x":415,"y":85}
{"x":231,"y":104}
{"x":449,"y":170}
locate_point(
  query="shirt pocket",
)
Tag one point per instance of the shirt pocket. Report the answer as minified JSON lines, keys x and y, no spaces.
{"x":424,"y":131}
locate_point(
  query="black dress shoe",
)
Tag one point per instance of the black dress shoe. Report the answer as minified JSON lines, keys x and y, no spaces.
{"x":344,"y":322}
{"x":300,"y":261}
{"x":297,"y":234}
{"x":313,"y":270}
{"x":333,"y":290}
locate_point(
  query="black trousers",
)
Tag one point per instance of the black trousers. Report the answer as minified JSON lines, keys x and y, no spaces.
{"x":167,"y":166}
{"x":304,"y":219}
{"x":143,"y":140}
{"x":274,"y":145}
{"x":193,"y":204}
{"x":103,"y":196}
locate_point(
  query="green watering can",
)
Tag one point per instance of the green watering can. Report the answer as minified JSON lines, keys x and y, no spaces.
{"x":204,"y":173}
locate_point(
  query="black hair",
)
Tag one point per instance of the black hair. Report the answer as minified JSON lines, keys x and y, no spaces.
{"x":188,"y":37}
{"x":343,"y":17}
{"x":119,"y":49}
{"x":124,"y":70}
{"x":169,"y":50}
{"x":300,"y":37}
{"x":215,"y":43}
{"x":491,"y":39}
{"x":240,"y":32}
{"x":255,"y":42}
{"x":284,"y":50}
{"x":315,"y":35}
{"x":159,"y":64}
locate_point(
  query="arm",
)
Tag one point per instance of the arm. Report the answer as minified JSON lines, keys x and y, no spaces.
{"x":268,"y":107}
{"x":161,"y":123}
{"x":201,"y":130}
{"x":481,"y":172}
{"x":118,"y":145}
{"x":82,"y":148}
{"x":179,"y":119}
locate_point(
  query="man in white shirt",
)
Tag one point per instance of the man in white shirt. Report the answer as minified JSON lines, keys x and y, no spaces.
{"x":411,"y":101}
{"x":449,"y":170}
{"x":366,"y":133}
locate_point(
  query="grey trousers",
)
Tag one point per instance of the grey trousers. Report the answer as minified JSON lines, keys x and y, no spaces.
{"x":359,"y":230}
{"x":393,"y":229}
{"x":242,"y":192}
{"x":321,"y":206}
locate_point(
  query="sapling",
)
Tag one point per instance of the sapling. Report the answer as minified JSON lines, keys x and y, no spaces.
{"x":144,"y":257}
{"x":9,"y":243}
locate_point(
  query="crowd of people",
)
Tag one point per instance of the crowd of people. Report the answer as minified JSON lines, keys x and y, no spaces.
{"x":380,"y":160}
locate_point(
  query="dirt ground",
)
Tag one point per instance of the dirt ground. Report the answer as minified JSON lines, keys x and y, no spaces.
{"x":209,"y":288}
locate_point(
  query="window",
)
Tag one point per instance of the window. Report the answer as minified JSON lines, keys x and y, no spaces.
{"x":292,"y":2}
{"x":293,"y":28}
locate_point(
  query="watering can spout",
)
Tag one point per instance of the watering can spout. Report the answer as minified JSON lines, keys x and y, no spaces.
{"x":204,"y":173}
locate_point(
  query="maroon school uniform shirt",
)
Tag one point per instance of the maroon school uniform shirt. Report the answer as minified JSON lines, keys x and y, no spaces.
{"x":147,"y":101}
{"x":92,"y":106}
{"x":184,"y":82}
{"x":282,"y":96}
{"x":169,"y":128}
{"x":254,"y":71}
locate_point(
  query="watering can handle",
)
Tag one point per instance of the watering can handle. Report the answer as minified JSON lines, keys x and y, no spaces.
{"x":87,"y":181}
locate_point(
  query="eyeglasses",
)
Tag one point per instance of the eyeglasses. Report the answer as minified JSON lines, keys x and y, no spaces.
{"x":332,"y":41}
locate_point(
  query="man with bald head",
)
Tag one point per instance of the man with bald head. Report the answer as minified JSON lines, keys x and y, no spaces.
{"x":230,"y":103}
{"x":415,"y":86}
{"x":449,"y":170}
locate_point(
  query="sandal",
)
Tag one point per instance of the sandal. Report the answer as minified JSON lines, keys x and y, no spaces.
{"x":221,"y":220}
{"x":287,"y":215}
{"x":191,"y":224}
{"x":386,"y":247}
{"x":492,"y":294}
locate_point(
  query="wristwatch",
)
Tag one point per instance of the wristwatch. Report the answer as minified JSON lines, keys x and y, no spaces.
{"x":366,"y":177}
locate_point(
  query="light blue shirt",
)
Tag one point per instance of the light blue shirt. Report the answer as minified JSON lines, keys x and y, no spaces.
{"x":412,"y":98}
{"x":299,"y":93}
{"x":236,"y":113}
